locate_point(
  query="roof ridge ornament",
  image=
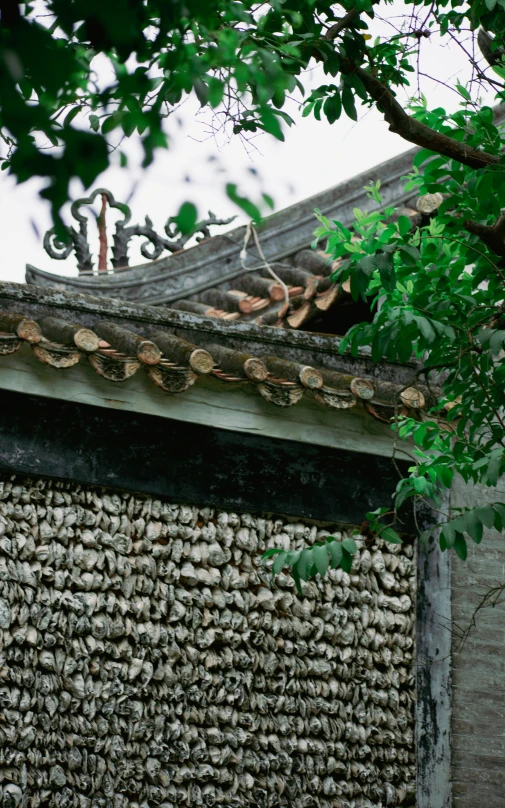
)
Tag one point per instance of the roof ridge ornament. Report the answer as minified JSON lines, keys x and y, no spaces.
{"x":151,"y":249}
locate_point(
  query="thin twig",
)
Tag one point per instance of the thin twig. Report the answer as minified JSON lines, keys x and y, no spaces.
{"x":251,"y":230}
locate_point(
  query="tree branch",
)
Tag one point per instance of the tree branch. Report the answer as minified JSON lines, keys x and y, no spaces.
{"x":485,"y":42}
{"x":490,"y":599}
{"x":493,"y":236}
{"x":401,"y":123}
{"x":415,"y":131}
{"x":333,"y":32}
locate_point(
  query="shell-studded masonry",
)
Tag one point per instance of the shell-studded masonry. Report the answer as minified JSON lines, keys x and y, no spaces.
{"x":146,"y":659}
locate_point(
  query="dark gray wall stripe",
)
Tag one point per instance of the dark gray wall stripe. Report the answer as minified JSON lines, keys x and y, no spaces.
{"x":189,"y":463}
{"x":434,"y":678}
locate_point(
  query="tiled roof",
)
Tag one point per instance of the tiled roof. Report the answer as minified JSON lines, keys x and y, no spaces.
{"x":59,"y":333}
{"x":258,"y":297}
{"x":211,"y":279}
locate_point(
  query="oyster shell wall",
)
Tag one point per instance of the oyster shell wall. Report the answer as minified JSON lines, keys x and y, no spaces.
{"x":146,"y":659}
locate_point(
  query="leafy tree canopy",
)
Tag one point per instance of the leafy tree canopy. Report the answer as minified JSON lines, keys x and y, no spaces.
{"x":440,"y":285}
{"x":77,"y":72}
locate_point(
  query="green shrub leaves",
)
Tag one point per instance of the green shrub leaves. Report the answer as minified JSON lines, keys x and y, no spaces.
{"x":315,"y":560}
{"x":324,"y":555}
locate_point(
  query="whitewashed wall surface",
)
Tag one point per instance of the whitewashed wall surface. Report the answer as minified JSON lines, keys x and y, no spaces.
{"x":146,"y":659}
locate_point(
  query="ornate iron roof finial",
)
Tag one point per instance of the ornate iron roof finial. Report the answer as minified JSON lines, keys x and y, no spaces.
{"x":151,"y":249}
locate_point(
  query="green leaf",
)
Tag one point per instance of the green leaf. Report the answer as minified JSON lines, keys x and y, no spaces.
{"x":297,"y":580}
{"x":409,"y":253}
{"x":201,"y":91}
{"x":186,"y":218}
{"x":390,"y":535}
{"x":321,"y":558}
{"x":350,"y":545}
{"x":87,"y":152}
{"x":492,"y":472}
{"x":279,"y":562}
{"x":52,"y":137}
{"x":420,"y":484}
{"x":460,"y":546}
{"x":128,"y":124}
{"x":69,"y":117}
{"x":463,"y":91}
{"x":270,"y":123}
{"x":305,"y":563}
{"x":364,"y":5}
{"x":445,"y":475}
{"x":372,"y":516}
{"x":272,"y":551}
{"x":422,"y":156}
{"x":473,"y":525}
{"x":348,"y":103}
{"x":499,"y":507}
{"x":385,"y":266}
{"x":426,"y":328}
{"x":404,"y":225}
{"x":111,"y":123}
{"x":335,"y":550}
{"x":448,"y":533}
{"x":94,"y":122}
{"x":346,"y":562}
{"x":485,"y":514}
{"x":26,"y":88}
{"x":243,"y":202}
{"x":354,"y":81}
{"x":499,"y":70}
{"x":332,"y":108}
{"x":292,"y":557}
{"x":496,"y":342}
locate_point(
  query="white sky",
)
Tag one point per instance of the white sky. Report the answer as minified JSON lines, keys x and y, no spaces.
{"x":314,"y":157}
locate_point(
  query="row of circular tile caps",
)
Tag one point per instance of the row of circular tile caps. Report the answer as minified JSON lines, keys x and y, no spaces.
{"x":174,"y":364}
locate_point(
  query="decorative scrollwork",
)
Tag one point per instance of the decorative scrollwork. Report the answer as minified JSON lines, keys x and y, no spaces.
{"x":154,"y":245}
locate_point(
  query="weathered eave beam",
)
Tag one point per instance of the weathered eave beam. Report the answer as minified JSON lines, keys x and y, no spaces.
{"x":313,"y":349}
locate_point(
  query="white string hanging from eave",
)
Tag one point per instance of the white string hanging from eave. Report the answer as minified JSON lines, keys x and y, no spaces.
{"x":251,"y":230}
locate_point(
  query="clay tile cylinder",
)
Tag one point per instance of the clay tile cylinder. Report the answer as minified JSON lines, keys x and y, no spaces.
{"x":183,"y":352}
{"x":257,"y":286}
{"x":25,"y":328}
{"x":412,"y":398}
{"x":337,"y":381}
{"x":238,"y":363}
{"x":362,"y":388}
{"x":294,"y":372}
{"x":294,"y":276}
{"x":324,"y":284}
{"x":429,"y":203}
{"x":300,"y":311}
{"x":57,"y":330}
{"x":314,"y":262}
{"x":326,"y":299}
{"x":273,"y":316}
{"x":129,"y":343}
{"x":220,"y":300}
{"x":192,"y":307}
